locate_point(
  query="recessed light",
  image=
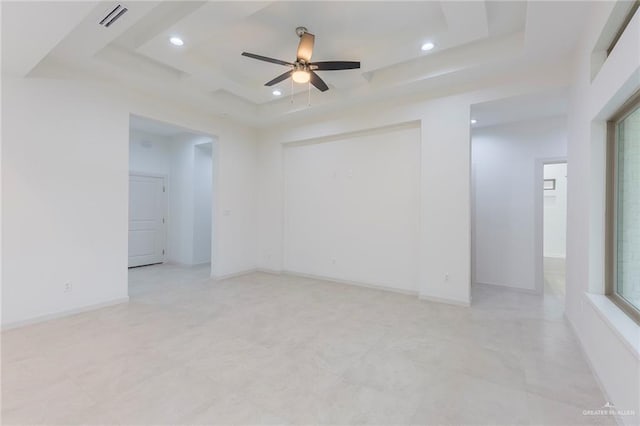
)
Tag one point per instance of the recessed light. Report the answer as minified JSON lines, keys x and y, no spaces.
{"x":276,"y":92}
{"x":474,"y":121}
{"x":428,"y":46}
{"x":176,"y":41}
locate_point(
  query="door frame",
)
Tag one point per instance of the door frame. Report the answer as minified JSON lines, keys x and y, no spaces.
{"x":216,"y":211}
{"x":538,"y":204}
{"x":165,"y":209}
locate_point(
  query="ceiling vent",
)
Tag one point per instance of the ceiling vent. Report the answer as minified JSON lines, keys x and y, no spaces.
{"x":114,"y":15}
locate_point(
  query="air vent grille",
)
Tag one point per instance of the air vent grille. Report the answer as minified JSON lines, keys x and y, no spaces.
{"x":115,"y":14}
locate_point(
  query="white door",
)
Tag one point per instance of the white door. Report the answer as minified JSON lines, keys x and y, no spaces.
{"x":147,"y":234}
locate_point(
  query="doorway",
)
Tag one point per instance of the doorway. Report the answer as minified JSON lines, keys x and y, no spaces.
{"x":554,"y":226}
{"x":171,"y":195}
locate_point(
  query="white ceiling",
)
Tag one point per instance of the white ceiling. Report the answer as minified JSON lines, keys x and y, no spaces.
{"x":209,"y":72}
{"x":549,"y":103}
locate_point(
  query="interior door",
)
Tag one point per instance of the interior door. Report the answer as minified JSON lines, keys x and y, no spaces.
{"x":147,"y":233}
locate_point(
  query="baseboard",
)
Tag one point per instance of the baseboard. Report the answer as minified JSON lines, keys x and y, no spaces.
{"x":506,"y":287}
{"x":456,"y":302}
{"x":354,"y":283}
{"x":319,"y":277}
{"x":234,"y":274}
{"x":48,"y":317}
{"x":269,"y":271}
{"x":182,"y":264}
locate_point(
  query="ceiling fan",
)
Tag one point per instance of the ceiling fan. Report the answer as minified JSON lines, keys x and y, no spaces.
{"x":303,"y":70}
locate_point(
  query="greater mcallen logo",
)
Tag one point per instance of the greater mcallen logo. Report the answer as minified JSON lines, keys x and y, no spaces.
{"x":608,"y":409}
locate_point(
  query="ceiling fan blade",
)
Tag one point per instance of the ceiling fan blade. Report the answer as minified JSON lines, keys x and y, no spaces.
{"x":335,"y":65}
{"x":305,"y":48}
{"x":318,"y":82}
{"x":266,"y":59}
{"x":279,"y":78}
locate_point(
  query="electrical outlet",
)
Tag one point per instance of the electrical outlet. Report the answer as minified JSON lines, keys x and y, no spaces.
{"x":446,"y":276}
{"x":333,"y":260}
{"x":68,"y":287}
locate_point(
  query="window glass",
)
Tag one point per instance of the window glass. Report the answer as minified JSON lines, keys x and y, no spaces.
{"x":627,"y":283}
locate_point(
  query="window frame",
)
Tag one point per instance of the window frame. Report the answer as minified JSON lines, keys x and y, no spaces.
{"x":612,"y":208}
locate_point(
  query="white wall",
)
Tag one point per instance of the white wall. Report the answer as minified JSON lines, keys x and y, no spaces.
{"x":180,"y":232}
{"x":611,"y":342}
{"x":65,"y":180}
{"x":202,"y":203}
{"x":504,"y":161}
{"x":185,"y":185}
{"x":555,"y":212}
{"x":443,"y":251}
{"x":149,"y":153}
{"x":352,"y":208}
{"x":65,"y":185}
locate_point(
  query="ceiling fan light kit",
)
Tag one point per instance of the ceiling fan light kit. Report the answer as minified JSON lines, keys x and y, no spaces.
{"x":302,"y":70}
{"x":301,"y":76}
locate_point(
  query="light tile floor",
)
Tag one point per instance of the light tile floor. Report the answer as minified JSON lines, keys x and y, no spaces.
{"x":267,"y":349}
{"x":554,"y":274}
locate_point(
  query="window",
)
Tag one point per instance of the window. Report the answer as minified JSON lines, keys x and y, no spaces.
{"x":624,"y":209}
